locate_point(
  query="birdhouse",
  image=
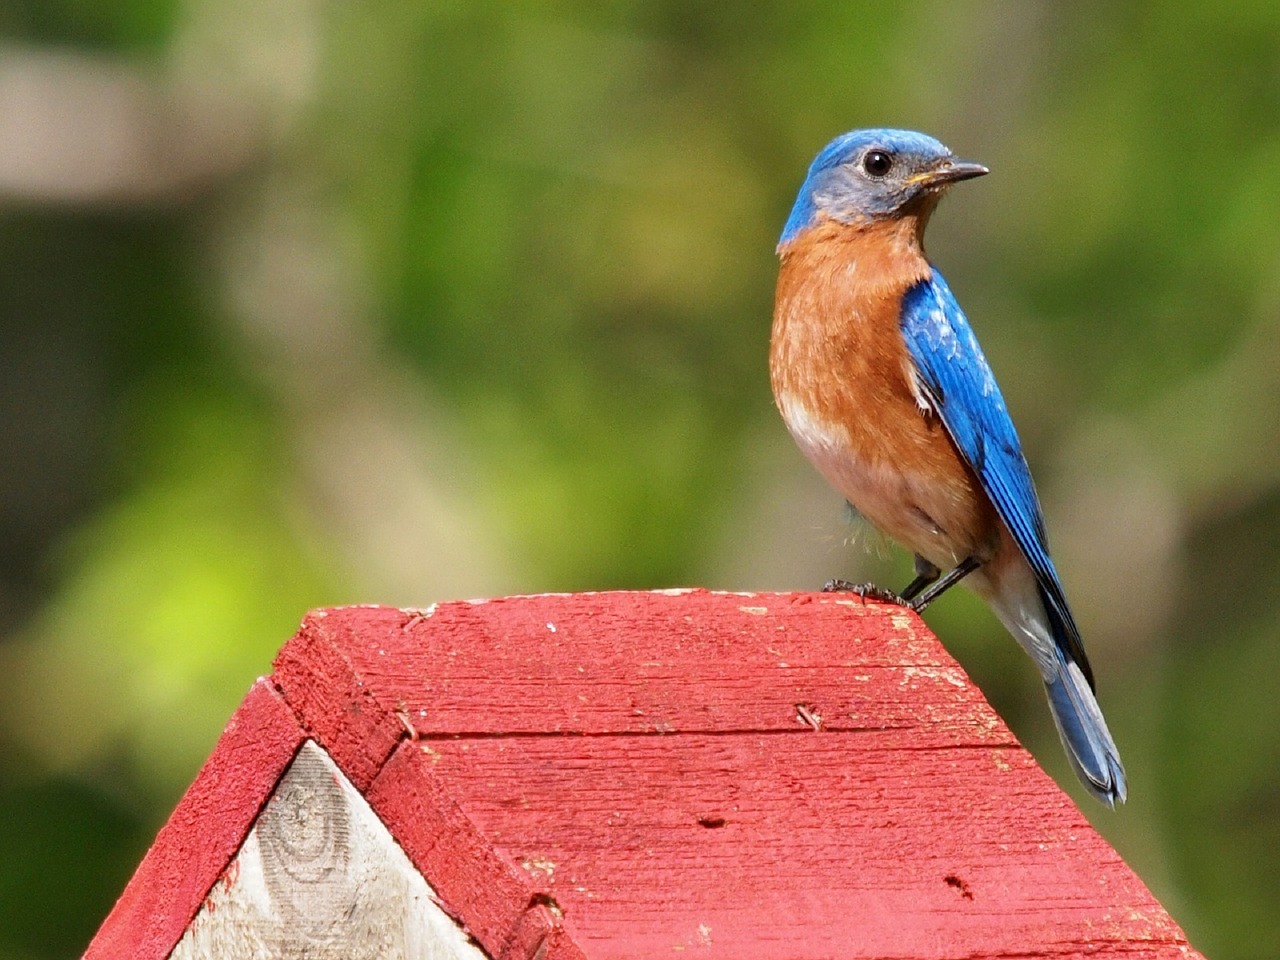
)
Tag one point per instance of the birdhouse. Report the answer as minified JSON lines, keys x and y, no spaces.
{"x":626,"y":775}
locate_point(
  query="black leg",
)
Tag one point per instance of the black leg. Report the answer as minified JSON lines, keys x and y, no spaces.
{"x":962,"y":570}
{"x":926,"y":573}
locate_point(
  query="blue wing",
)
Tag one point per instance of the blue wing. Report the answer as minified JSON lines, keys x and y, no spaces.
{"x":960,"y":387}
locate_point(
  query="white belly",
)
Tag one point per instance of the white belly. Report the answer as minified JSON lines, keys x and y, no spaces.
{"x":886,"y":495}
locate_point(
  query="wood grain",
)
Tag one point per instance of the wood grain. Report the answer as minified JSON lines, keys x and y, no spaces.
{"x":640,"y":663}
{"x":320,"y":878}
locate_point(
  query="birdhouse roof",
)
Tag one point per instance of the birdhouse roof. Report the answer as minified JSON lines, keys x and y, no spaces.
{"x":674,"y":773}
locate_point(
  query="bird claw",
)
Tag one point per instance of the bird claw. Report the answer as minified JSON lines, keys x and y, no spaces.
{"x":868,"y":591}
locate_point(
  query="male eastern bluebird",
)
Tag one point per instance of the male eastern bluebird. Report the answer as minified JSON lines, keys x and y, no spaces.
{"x":884,"y":387}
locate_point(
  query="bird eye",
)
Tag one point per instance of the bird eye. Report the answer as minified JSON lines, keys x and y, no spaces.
{"x":877,"y":163}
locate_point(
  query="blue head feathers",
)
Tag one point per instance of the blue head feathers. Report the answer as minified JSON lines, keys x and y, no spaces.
{"x":874,"y":174}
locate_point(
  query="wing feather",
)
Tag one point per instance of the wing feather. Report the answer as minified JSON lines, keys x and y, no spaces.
{"x":959,"y":386}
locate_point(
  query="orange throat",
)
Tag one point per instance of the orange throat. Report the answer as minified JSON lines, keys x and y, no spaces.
{"x":836,"y":312}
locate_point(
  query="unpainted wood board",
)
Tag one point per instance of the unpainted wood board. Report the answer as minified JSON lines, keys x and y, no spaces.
{"x":320,"y":878}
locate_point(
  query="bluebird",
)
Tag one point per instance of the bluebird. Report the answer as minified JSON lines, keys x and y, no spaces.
{"x":883,"y":386}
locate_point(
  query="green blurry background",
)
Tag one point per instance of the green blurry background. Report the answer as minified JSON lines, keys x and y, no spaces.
{"x":308,"y":303}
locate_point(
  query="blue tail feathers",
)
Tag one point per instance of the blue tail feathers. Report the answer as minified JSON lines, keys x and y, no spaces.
{"x":1084,"y":733}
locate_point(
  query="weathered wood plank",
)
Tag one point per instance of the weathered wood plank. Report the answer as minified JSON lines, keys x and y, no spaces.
{"x":472,"y":880}
{"x":649,"y":663}
{"x":504,"y":907}
{"x":807,"y":845}
{"x":204,"y":832}
{"x":320,"y":877}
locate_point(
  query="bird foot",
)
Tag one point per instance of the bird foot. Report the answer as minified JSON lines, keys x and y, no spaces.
{"x":868,"y":591}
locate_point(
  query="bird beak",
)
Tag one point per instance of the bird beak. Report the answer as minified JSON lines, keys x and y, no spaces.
{"x":950,"y":171}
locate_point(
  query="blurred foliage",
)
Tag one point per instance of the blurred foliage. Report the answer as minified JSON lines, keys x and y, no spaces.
{"x":308,"y":303}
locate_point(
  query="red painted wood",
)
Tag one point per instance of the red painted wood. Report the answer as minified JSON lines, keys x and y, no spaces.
{"x":773,"y":845}
{"x":645,"y":768}
{"x":640,"y":663}
{"x":204,"y":833}
{"x":541,"y":934}
{"x":502,"y":906}
{"x":335,"y":702}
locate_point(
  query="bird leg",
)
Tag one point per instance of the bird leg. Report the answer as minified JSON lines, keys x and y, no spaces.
{"x":927,"y":586}
{"x":949,"y":580}
{"x":926,"y":573}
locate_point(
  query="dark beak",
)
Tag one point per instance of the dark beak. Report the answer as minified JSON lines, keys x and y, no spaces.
{"x":951,"y":171}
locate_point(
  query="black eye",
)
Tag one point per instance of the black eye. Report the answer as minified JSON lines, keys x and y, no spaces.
{"x":877,"y":163}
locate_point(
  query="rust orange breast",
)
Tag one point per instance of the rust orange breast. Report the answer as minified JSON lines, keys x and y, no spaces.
{"x":844,"y":382}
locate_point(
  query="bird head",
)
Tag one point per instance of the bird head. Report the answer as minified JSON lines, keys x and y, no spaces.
{"x":869,"y":175}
